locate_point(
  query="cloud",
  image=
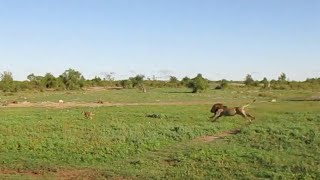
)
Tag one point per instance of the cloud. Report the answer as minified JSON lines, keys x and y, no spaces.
{"x":166,"y":72}
{"x":132,"y":72}
{"x":255,"y":73}
{"x":162,"y":74}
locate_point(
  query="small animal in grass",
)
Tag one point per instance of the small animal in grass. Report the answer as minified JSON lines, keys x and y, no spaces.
{"x":160,"y":116}
{"x":5,"y":103}
{"x":88,"y":114}
{"x":220,"y":110}
{"x":99,"y":102}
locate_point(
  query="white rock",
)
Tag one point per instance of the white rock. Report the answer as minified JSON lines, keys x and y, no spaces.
{"x":61,"y":101}
{"x":273,"y":100}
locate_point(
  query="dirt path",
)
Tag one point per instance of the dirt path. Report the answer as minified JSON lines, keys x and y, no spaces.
{"x":208,"y":139}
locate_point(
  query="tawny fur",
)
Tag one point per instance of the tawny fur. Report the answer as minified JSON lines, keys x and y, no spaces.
{"x":220,"y":110}
{"x":88,"y":114}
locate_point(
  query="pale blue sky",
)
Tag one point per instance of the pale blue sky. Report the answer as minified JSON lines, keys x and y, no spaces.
{"x":218,"y":38}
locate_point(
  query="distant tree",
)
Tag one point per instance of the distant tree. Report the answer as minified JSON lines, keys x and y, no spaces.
{"x":137,"y":80}
{"x":273,"y":81}
{"x":185,"y":81}
{"x":282,"y":77}
{"x":31,"y":77}
{"x":35,"y":80}
{"x":126,"y":84}
{"x":198,"y":84}
{"x":223,"y":83}
{"x":249,"y":80}
{"x":49,"y":81}
{"x":72,"y":79}
{"x":7,"y":84}
{"x":96,"y":81}
{"x":60,"y":84}
{"x":265,"y":82}
{"x":109,"y":78}
{"x":173,"y":81}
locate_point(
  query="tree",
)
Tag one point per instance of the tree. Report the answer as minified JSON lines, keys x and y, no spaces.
{"x":35,"y":81}
{"x":96,"y":81}
{"x":109,"y":77}
{"x":265,"y":82}
{"x":249,"y":80}
{"x":7,"y":82}
{"x":72,"y":79}
{"x":49,"y":81}
{"x":282,"y":77}
{"x":223,"y":83}
{"x":198,"y":84}
{"x":126,"y":84}
{"x":137,"y":80}
{"x":173,"y":81}
{"x":185,"y":81}
{"x":31,"y":77}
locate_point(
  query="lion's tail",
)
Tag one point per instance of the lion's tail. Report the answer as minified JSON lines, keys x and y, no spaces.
{"x":245,"y":106}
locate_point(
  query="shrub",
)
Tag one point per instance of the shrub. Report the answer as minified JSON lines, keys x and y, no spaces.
{"x":198,"y":84}
{"x":7,"y":84}
{"x":126,"y":84}
{"x":72,"y":79}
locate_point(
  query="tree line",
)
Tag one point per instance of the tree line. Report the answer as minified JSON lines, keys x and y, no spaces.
{"x":73,"y":80}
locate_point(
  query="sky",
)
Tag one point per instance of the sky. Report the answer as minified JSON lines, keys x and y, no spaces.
{"x":221,"y":39}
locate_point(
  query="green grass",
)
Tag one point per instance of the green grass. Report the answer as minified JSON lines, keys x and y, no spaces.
{"x":155,"y":95}
{"x":31,"y":138}
{"x":278,"y":146}
{"x":120,"y":142}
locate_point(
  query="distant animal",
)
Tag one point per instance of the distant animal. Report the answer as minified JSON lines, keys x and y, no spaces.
{"x":5,"y":103}
{"x":99,"y":102}
{"x":88,"y":114}
{"x":220,"y":110}
{"x":61,"y":101}
{"x":160,"y":116}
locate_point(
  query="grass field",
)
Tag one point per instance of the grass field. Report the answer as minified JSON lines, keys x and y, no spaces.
{"x":120,"y":142}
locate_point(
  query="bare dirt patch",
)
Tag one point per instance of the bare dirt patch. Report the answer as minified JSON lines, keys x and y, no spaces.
{"x":102,"y":88}
{"x":31,"y":174}
{"x":76,"y":174}
{"x":63,"y":174}
{"x":207,"y":139}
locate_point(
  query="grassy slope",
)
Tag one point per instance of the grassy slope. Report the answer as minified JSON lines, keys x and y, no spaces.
{"x":120,"y":141}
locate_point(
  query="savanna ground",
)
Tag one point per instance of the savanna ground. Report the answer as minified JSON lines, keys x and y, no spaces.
{"x":42,"y":139}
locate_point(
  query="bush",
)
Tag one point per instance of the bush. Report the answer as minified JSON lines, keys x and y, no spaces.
{"x":7,"y":84}
{"x":49,"y":81}
{"x":198,"y":84}
{"x":137,"y":80}
{"x":126,"y":84}
{"x":72,"y":79}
